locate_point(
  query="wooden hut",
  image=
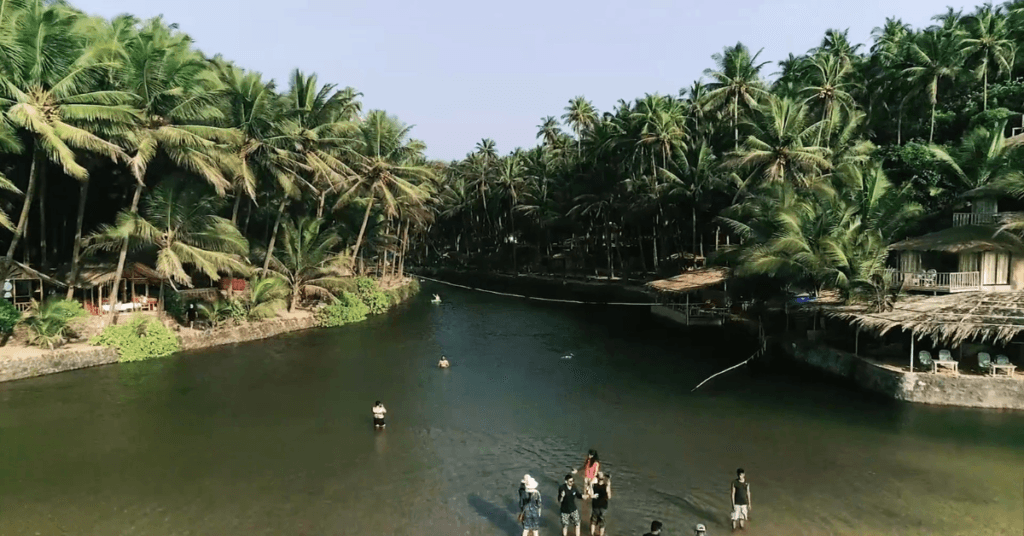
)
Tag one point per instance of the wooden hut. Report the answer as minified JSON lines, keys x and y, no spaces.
{"x":21,"y":284}
{"x":139,"y":288}
{"x":685,"y":297}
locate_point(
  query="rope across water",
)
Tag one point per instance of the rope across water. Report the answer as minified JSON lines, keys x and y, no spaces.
{"x":531,"y":297}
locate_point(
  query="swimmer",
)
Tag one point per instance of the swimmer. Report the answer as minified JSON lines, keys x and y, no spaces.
{"x":443,"y":363}
{"x":437,"y":299}
{"x":378,"y":415}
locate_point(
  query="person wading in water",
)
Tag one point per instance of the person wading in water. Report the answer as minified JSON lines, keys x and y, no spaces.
{"x":591,"y":466}
{"x":570,"y":514}
{"x":602,"y":492}
{"x":378,"y":415}
{"x":529,"y":506}
{"x":740,"y":500}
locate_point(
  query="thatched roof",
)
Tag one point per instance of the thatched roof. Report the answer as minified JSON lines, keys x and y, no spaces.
{"x":963,"y":239}
{"x":94,"y":274}
{"x":12,"y":269}
{"x":994,"y":317}
{"x":693,"y":280}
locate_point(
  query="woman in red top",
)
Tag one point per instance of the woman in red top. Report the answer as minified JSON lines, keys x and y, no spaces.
{"x":591,"y":466}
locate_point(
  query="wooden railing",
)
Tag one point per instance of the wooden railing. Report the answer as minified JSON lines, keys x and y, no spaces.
{"x":980,"y":218}
{"x":937,"y":281}
{"x":24,"y":306}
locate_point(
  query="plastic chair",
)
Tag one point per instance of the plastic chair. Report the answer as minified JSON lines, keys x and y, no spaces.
{"x":1002,"y":360}
{"x":925,"y":358}
{"x":945,"y":355}
{"x":985,"y":362}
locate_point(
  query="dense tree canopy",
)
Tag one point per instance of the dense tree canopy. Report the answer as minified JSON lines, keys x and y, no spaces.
{"x":801,"y":177}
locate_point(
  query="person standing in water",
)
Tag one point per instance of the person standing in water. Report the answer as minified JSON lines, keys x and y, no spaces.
{"x":570,"y":514}
{"x":443,"y":363}
{"x":591,"y":466}
{"x":529,"y":506}
{"x":655,"y":529}
{"x":740,"y":500}
{"x":602,"y":492}
{"x":378,"y":415}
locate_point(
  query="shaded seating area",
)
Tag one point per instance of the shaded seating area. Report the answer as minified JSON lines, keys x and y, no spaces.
{"x":21,"y":284}
{"x":139,"y":289}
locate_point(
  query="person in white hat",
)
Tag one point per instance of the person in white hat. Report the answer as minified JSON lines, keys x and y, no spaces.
{"x":529,"y":506}
{"x":700,"y":530}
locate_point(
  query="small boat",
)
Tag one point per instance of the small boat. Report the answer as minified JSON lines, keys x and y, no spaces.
{"x":437,"y":299}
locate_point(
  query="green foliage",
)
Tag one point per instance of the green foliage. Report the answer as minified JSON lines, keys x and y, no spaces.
{"x":365,"y":286}
{"x":9,"y":317}
{"x":377,"y":301}
{"x":265,"y":297}
{"x":223,"y":310}
{"x":404,"y":292}
{"x":173,"y":304}
{"x":50,"y":322}
{"x":138,"y":339}
{"x":346,"y":310}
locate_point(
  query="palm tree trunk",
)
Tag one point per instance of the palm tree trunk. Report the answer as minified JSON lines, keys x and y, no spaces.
{"x":640,"y":242}
{"x":985,"y":86}
{"x":234,"y":211}
{"x":512,"y":224}
{"x":362,"y":230}
{"x":123,"y":255}
{"x":735,"y":120}
{"x":38,"y":161}
{"x":320,"y":207}
{"x":899,"y":125}
{"x":83,"y":191}
{"x":608,"y":244}
{"x":405,"y":249}
{"x":273,"y":236}
{"x":931,"y":134}
{"x":694,"y":244}
{"x":42,"y":217}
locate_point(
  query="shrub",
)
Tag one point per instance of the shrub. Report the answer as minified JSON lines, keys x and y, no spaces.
{"x":265,"y":297}
{"x":365,"y":286}
{"x":9,"y":317}
{"x":377,"y":301}
{"x":223,"y":310}
{"x":174,"y":305}
{"x":49,"y":322}
{"x":346,"y":310}
{"x":138,"y":339}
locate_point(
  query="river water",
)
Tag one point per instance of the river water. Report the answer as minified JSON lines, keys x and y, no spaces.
{"x":274,"y":437}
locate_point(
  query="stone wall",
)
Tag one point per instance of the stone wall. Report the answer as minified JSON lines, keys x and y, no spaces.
{"x":192,"y":340}
{"x":923,"y":388}
{"x":16,"y":368}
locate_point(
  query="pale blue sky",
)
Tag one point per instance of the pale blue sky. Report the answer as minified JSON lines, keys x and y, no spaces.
{"x":464,"y":70}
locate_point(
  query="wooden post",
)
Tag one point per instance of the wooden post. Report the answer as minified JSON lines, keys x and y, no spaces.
{"x":911,"y":351}
{"x":100,"y":287}
{"x":134,"y":297}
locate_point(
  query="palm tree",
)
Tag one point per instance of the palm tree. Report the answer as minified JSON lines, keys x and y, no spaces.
{"x":548,"y":131}
{"x":179,"y":224}
{"x":988,"y":44}
{"x":777,"y":151}
{"x":385,"y":168}
{"x":9,"y":143}
{"x":510,"y":179}
{"x":581,"y":116}
{"x":265,"y":297}
{"x":738,"y":77}
{"x":696,"y":177}
{"x":309,"y":263}
{"x":984,"y":157}
{"x":179,"y":103}
{"x":935,"y":55}
{"x":829,"y":88}
{"x":52,"y":89}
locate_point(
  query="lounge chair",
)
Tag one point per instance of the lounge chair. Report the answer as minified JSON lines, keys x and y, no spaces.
{"x":1003,"y":362}
{"x":946,"y":360}
{"x":985,"y":362}
{"x":925,"y":358}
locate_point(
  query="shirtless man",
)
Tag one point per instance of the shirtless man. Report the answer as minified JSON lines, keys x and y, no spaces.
{"x":378,"y":415}
{"x":443,"y":363}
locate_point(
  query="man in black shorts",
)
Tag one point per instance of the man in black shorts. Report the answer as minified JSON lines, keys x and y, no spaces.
{"x":567,"y":496}
{"x":602,"y":492}
{"x":378,"y":414}
{"x":655,"y":529}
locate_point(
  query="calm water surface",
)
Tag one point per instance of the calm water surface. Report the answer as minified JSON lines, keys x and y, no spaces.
{"x":274,"y":437}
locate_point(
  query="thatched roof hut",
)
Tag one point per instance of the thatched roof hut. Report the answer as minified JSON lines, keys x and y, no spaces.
{"x":692,"y":280}
{"x":994,"y":317}
{"x":963,"y":239}
{"x":93,"y":274}
{"x":12,"y":270}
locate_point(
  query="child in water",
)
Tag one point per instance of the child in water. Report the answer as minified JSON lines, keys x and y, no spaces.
{"x":378,"y":415}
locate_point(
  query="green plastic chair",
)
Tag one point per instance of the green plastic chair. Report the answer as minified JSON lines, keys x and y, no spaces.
{"x":984,"y":361}
{"x":1002,"y":360}
{"x":925,"y":358}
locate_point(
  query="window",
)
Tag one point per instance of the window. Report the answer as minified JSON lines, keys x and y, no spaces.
{"x":995,"y":268}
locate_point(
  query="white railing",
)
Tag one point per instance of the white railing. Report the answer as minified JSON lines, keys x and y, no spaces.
{"x":937,"y":281}
{"x":980,"y":218}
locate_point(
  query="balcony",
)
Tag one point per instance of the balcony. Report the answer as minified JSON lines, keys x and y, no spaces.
{"x":931,"y":281}
{"x":981,"y":218}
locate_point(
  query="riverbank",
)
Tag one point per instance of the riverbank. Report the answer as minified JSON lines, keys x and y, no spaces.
{"x":964,"y":390}
{"x":23,"y":361}
{"x":600,"y":290}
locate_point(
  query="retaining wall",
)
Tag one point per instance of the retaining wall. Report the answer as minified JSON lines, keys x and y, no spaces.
{"x":923,"y":388}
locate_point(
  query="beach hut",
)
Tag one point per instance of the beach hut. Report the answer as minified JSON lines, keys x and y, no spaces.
{"x":22,"y":284}
{"x":684,"y":297}
{"x":139,"y":288}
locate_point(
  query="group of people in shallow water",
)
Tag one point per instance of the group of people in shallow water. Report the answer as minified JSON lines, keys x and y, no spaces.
{"x":597,"y":487}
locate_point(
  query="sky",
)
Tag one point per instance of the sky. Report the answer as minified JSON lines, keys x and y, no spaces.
{"x":460,"y":71}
